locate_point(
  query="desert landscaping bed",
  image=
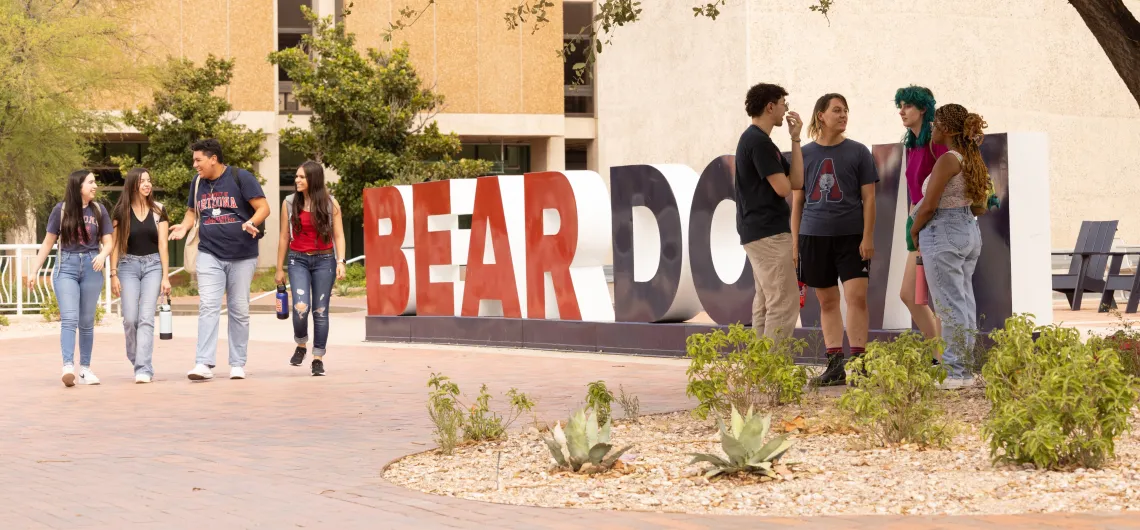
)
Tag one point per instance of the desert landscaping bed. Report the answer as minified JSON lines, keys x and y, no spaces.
{"x":829,"y":471}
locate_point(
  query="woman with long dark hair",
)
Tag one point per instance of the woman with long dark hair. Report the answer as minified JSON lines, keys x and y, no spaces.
{"x":946,"y":231}
{"x":139,"y":266}
{"x":83,"y":229}
{"x":312,"y":237}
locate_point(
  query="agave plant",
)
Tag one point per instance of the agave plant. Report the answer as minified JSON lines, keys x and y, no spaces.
{"x":583,"y":442}
{"x":745,"y":447}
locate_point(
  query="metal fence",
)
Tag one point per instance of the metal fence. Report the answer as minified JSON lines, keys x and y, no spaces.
{"x":16,"y":298}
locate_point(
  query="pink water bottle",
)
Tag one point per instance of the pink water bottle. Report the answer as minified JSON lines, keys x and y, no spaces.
{"x":921,"y":295}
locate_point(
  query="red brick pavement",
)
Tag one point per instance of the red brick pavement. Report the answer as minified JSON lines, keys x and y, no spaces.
{"x":286,"y":450}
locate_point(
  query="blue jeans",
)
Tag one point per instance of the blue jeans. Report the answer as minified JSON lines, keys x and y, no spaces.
{"x":311,"y":278}
{"x":231,"y":278}
{"x":951,"y":244}
{"x":140,"y":278}
{"x":77,"y":288}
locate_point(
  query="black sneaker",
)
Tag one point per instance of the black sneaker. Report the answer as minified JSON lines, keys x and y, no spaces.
{"x":834,"y":375}
{"x":318,"y":367}
{"x":298,"y":356}
{"x":934,"y":361}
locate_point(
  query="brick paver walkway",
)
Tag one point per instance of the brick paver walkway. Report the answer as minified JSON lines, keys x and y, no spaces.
{"x":286,"y":450}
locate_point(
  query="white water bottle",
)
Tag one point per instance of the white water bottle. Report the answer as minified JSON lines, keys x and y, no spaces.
{"x":165,"y":321}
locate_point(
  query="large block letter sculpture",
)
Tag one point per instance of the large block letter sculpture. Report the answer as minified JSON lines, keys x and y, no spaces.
{"x":490,"y":269}
{"x":716,"y":259}
{"x":390,"y":278}
{"x":435,"y":290}
{"x":651,"y":205}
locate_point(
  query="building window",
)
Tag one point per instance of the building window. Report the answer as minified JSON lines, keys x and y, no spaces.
{"x":576,"y":159}
{"x":291,"y":26}
{"x":506,"y":159}
{"x":577,"y":24}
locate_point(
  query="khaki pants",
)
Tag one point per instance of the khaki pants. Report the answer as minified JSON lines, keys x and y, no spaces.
{"x":776,"y":306}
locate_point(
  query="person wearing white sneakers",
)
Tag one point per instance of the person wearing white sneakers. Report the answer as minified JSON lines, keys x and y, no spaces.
{"x":231,"y":205}
{"x":83,"y":229}
{"x":139,"y":266}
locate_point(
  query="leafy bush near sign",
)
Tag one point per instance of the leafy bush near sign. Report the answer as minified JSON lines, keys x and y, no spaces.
{"x":894,"y":393}
{"x":477,"y":422}
{"x":630,"y":405}
{"x":1055,"y":403}
{"x":599,"y":398}
{"x":742,"y":370}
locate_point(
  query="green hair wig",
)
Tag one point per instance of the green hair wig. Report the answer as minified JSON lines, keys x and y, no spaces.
{"x":922,"y":98}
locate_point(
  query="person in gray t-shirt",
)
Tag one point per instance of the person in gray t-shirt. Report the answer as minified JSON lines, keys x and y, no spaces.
{"x":833,"y":221}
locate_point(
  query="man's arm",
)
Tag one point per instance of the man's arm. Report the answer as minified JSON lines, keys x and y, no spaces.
{"x":262,"y":207}
{"x":796,"y":175}
{"x":867,"y":247}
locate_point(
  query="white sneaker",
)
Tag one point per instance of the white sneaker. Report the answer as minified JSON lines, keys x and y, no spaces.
{"x":68,"y":375}
{"x":237,"y":372}
{"x":87,"y":377}
{"x":200,"y":372}
{"x":957,"y":383}
{"x":142,"y":379}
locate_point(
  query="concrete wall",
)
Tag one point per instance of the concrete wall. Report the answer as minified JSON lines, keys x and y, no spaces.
{"x":671,"y":87}
{"x":464,"y":49}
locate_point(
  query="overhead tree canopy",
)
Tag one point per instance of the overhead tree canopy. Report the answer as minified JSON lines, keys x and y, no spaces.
{"x":185,"y":109}
{"x":55,"y":57}
{"x":373,"y":121}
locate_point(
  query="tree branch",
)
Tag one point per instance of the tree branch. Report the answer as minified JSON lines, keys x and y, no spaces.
{"x":1118,"y":33}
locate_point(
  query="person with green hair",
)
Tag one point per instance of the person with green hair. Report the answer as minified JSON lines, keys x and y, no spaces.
{"x":916,"y":106}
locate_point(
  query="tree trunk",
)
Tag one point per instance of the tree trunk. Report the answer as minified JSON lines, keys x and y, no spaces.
{"x":1118,"y":33}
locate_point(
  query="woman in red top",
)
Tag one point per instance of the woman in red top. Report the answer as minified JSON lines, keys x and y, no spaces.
{"x":312,"y":236}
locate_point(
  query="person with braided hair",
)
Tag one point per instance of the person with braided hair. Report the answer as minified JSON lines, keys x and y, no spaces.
{"x":916,"y":108}
{"x":946,"y":232}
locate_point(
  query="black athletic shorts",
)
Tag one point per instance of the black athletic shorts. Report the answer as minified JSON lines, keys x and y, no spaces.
{"x":827,"y":260}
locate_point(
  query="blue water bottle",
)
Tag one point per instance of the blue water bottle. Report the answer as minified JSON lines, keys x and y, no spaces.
{"x":282,"y":303}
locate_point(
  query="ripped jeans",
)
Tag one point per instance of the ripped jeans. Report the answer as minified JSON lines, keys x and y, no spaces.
{"x":311,"y":278}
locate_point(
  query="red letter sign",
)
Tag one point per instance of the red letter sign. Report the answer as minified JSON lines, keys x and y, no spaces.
{"x":388,"y":291}
{"x":550,"y":253}
{"x":489,"y":281}
{"x":432,"y":248}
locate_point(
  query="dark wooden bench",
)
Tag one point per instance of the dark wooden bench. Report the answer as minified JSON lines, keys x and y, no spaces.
{"x":1090,"y":259}
{"x":1120,"y":282}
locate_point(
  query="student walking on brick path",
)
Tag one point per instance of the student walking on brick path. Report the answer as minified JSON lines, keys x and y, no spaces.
{"x":833,"y":230}
{"x":763,"y":179}
{"x":946,"y":231}
{"x":314,"y":247}
{"x":139,"y":267}
{"x":916,"y":108}
{"x":230,"y":204}
{"x":83,"y":228}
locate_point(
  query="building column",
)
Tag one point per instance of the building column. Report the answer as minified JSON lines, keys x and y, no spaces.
{"x":270,"y":169}
{"x":548,"y":154}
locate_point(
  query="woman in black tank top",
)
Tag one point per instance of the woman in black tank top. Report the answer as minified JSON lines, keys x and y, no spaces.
{"x":140,"y":267}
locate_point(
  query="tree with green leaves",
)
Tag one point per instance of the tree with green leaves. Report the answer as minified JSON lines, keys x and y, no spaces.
{"x":186,"y":108}
{"x":55,"y":57}
{"x":373,"y":120}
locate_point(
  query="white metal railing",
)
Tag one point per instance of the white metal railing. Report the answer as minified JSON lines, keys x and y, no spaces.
{"x":16,"y":262}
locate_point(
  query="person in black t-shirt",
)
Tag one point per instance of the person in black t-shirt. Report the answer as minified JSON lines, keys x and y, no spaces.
{"x":764,"y":178}
{"x":139,"y":266}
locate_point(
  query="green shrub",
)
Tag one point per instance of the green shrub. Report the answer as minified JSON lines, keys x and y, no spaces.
{"x":1126,"y":341}
{"x":188,"y":289}
{"x":263,"y":281}
{"x":894,"y":392}
{"x":1055,"y":402}
{"x":478,"y":422}
{"x":354,"y":275}
{"x":599,"y":399}
{"x":742,"y":370}
{"x":4,"y":320}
